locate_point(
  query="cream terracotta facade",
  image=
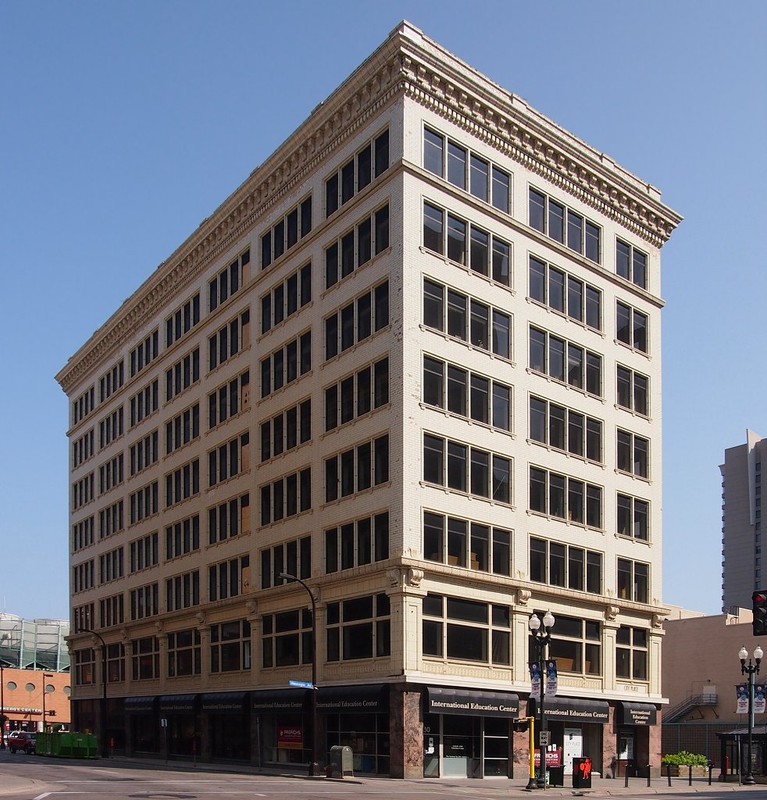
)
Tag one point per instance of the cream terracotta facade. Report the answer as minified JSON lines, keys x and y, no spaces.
{"x":408,"y":90}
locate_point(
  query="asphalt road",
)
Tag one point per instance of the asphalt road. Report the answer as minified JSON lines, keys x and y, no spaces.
{"x":36,"y":778}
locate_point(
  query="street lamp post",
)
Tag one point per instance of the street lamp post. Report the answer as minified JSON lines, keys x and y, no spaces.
{"x":314,"y":766}
{"x":541,"y":636}
{"x":750,"y":669}
{"x":2,"y":707}
{"x":45,"y":675}
{"x":103,"y":703}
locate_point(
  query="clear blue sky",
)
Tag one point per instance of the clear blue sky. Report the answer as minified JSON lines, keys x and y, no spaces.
{"x":124,"y":124}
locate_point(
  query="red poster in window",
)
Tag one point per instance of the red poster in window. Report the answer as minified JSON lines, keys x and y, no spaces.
{"x":290,"y":737}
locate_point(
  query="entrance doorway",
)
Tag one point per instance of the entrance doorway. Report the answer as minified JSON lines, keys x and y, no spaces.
{"x":458,"y":746}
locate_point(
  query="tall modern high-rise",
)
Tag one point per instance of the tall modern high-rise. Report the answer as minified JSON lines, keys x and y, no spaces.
{"x":415,"y":362}
{"x":742,"y":521}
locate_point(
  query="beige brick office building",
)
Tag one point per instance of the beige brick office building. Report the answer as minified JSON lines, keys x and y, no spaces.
{"x":414,"y":360}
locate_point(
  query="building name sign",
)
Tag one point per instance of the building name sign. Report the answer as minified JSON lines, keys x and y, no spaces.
{"x":483,"y":704}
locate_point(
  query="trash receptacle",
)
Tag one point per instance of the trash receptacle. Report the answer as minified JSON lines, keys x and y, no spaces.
{"x":582,"y":773}
{"x":341,"y":761}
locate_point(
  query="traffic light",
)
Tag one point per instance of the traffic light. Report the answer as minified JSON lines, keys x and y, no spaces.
{"x":759,"y":604}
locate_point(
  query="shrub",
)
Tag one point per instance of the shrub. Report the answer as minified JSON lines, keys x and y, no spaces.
{"x":685,"y":759}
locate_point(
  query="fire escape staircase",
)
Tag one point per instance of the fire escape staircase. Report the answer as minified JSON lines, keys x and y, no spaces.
{"x":680,"y":710}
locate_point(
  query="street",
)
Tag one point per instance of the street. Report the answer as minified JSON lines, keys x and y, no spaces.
{"x":36,"y":778}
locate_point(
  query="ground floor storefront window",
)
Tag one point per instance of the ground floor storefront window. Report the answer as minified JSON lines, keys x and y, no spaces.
{"x":368,"y":737}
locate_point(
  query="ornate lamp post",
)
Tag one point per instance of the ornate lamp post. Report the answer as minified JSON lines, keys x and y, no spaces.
{"x":103,"y":704}
{"x":541,"y":636}
{"x":750,"y":669}
{"x":314,"y":766}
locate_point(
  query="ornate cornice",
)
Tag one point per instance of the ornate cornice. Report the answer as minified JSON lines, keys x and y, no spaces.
{"x":407,"y":64}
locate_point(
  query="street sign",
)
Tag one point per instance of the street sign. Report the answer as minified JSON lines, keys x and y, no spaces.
{"x":545,"y":737}
{"x":302,"y":684}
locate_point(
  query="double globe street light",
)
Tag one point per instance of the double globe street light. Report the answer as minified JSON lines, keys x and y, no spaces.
{"x":541,"y":636}
{"x":750,"y":669}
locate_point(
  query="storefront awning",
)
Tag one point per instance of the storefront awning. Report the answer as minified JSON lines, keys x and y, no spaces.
{"x":177,"y":703}
{"x":353,"y":698}
{"x":571,"y":709}
{"x":139,"y":704}
{"x":637,"y":714}
{"x":277,"y":700}
{"x":224,"y":702}
{"x":475,"y":703}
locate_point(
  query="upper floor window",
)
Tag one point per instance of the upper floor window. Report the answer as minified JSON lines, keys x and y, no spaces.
{"x":293,"y":557}
{"x":357,"y":394}
{"x":358,"y":628}
{"x":633,"y":454}
{"x":466,"y":170}
{"x":631,"y":263}
{"x":358,"y":320}
{"x":229,"y":281}
{"x":463,"y":543}
{"x":83,"y":405}
{"x":145,"y":352}
{"x":632,"y":391}
{"x":566,"y":566}
{"x":633,"y":516}
{"x":565,"y":429}
{"x":466,"y":244}
{"x":566,"y":294}
{"x":286,"y":232}
{"x":183,"y":320}
{"x":357,"y":247}
{"x":631,"y":653}
{"x":356,"y":543}
{"x":633,"y":580}
{"x":565,"y":226}
{"x":577,"y":646}
{"x":631,"y":327}
{"x":286,"y":298}
{"x":229,"y":340}
{"x":565,"y":498}
{"x":111,"y":381}
{"x":370,"y":162}
{"x":565,"y":362}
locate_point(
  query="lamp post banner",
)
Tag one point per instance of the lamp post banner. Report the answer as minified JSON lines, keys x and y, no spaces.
{"x":742,"y":694}
{"x":551,"y":678}
{"x":535,"y":679}
{"x":759,"y":698}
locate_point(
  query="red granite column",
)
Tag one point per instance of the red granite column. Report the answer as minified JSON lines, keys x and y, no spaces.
{"x":405,"y":733}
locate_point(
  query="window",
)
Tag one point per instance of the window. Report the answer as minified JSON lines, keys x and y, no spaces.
{"x":228,"y":282}
{"x":183,"y":320}
{"x":83,"y":448}
{"x":83,"y":534}
{"x":357,"y":469}
{"x":293,"y":557}
{"x":144,"y":553}
{"x":230,"y":646}
{"x":286,"y":497}
{"x":144,"y":602}
{"x":564,"y":429}
{"x":85,"y":666}
{"x":577,"y":646}
{"x":357,"y":247}
{"x":370,"y":162}
{"x":631,"y":264}
{"x":633,"y":516}
{"x":83,"y":491}
{"x":184,"y":653}
{"x":229,"y":519}
{"x":229,"y":399}
{"x":631,"y":654}
{"x":565,"y":498}
{"x":144,"y":453}
{"x":82,"y":617}
{"x":229,"y":459}
{"x":466,"y":469}
{"x":631,"y":327}
{"x":111,"y":381}
{"x":83,"y":577}
{"x":287,"y":430}
{"x":486,"y":181}
{"x":145,"y":658}
{"x":357,"y":320}
{"x":461,"y":317}
{"x":357,"y":394}
{"x":559,"y":291}
{"x":457,"y":629}
{"x":229,"y":578}
{"x":111,"y":427}
{"x":633,"y":391}
{"x":286,"y":232}
{"x":565,"y":362}
{"x":111,"y":519}
{"x":633,"y":454}
{"x":144,"y":502}
{"x":355,"y":543}
{"x":466,"y":244}
{"x":229,"y":340}
{"x":144,"y":353}
{"x":182,"y":591}
{"x":111,"y":565}
{"x":286,"y":638}
{"x":464,"y":543}
{"x":182,"y":429}
{"x":286,"y":298}
{"x":465,"y":393}
{"x":182,"y":537}
{"x":112,"y":611}
{"x":111,"y":474}
{"x":565,"y":566}
{"x":83,"y":405}
{"x":633,"y":580}
{"x":182,"y":483}
{"x":358,"y":628}
{"x":285,"y":365}
{"x":145,"y":402}
{"x":184,"y":373}
{"x":565,"y":226}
